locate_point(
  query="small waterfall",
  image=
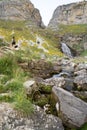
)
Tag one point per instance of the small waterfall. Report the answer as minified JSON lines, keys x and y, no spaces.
{"x":66,"y":50}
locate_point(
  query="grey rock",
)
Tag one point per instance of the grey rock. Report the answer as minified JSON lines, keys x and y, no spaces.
{"x":20,"y":10}
{"x":81,"y":72}
{"x":81,"y":94}
{"x":58,"y":81}
{"x":30,"y":86}
{"x":74,"y":13}
{"x":73,"y":110}
{"x":81,"y":82}
{"x":81,"y":66}
{"x":39,"y":120}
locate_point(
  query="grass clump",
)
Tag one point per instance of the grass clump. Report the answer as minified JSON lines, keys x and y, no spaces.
{"x":7,"y":65}
{"x":11,"y":84}
{"x":22,"y":104}
{"x":14,"y":85}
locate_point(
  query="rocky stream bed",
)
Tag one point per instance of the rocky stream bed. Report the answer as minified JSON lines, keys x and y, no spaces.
{"x":59,"y":95}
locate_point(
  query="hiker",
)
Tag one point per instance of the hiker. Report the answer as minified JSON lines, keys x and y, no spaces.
{"x":13,"y":41}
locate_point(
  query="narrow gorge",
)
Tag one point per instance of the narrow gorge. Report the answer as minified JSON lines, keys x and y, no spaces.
{"x":43,"y":76}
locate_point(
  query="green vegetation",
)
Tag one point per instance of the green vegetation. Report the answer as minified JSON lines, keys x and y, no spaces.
{"x":42,"y":101}
{"x":84,"y":53}
{"x":80,"y":60}
{"x":27,"y":35}
{"x":22,"y":104}
{"x":11,"y":84}
{"x":12,"y":75}
{"x":84,"y":127}
{"x":8,"y":65}
{"x":73,"y":29}
{"x":45,"y":88}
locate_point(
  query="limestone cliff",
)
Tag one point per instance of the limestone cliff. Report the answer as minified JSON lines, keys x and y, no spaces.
{"x":20,"y":10}
{"x":74,"y":13}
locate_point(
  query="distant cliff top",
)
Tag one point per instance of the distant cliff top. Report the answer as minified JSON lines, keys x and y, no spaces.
{"x":74,"y":13}
{"x":20,"y":10}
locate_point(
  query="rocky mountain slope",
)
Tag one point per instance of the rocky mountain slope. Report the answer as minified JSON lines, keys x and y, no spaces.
{"x":74,"y":13}
{"x":20,"y":10}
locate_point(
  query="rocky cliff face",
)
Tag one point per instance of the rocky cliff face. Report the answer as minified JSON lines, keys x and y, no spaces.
{"x":20,"y":10}
{"x":75,"y":13}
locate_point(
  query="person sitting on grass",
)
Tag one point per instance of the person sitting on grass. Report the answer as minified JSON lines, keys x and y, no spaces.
{"x":13,"y":41}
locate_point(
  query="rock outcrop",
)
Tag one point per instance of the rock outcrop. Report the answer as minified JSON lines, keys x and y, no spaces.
{"x":43,"y":69}
{"x":39,"y":120}
{"x":74,"y":13}
{"x":20,"y":10}
{"x":72,"y":110}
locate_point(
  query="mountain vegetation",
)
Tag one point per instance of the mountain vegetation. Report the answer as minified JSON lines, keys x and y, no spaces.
{"x":35,"y":72}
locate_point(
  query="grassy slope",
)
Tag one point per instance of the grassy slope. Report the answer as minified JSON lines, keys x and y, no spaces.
{"x":9,"y":68}
{"x":22,"y":32}
{"x":12,"y":76}
{"x":73,"y":29}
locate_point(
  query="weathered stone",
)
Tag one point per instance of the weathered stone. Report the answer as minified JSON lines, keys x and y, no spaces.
{"x":20,"y":10}
{"x":74,"y":13}
{"x":55,"y":81}
{"x":85,"y":46}
{"x":81,"y":82}
{"x":39,"y":120}
{"x":30,"y":86}
{"x":81,"y":94}
{"x":43,"y":69}
{"x":81,"y":72}
{"x":72,"y":110}
{"x":81,"y":66}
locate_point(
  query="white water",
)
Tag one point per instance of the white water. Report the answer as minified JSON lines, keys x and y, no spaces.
{"x":66,"y":50}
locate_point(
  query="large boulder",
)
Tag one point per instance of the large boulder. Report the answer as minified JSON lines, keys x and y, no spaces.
{"x":9,"y":120}
{"x":72,"y":110}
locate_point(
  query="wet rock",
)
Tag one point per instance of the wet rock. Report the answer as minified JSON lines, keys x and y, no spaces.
{"x":64,"y":74}
{"x":69,"y":85}
{"x":39,"y":120}
{"x":68,"y":66}
{"x":72,"y":110}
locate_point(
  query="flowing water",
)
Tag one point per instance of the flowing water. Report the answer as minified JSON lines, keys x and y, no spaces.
{"x":66,"y":50}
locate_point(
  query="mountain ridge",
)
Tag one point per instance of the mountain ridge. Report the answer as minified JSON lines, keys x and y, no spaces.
{"x":74,"y":13}
{"x":20,"y":10}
